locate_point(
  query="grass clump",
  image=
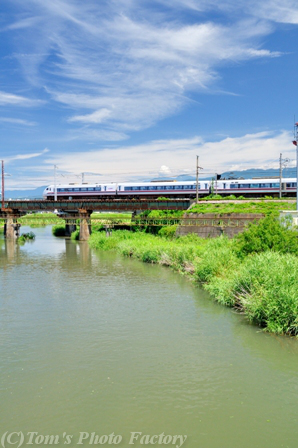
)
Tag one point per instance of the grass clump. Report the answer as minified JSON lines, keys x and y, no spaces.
{"x":217,"y":259}
{"x":75,"y":236}
{"x":265,"y":289}
{"x":168,"y":231}
{"x":58,"y":230}
{"x":26,"y":237}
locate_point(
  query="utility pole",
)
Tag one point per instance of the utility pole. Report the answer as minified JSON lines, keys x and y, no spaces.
{"x":197,"y":179}
{"x":280,"y":174}
{"x":55,"y":182}
{"x":282,"y":164}
{"x":295,"y":142}
{"x":2,"y":162}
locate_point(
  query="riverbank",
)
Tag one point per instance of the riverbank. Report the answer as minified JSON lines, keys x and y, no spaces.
{"x":255,"y":273}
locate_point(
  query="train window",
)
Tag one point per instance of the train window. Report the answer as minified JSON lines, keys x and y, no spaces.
{"x":234,"y":185}
{"x":224,"y":185}
{"x":255,"y":185}
{"x":206,"y":186}
{"x":91,"y":189}
{"x":274,"y":185}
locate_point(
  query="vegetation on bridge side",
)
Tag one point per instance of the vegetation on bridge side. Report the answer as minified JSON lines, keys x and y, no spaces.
{"x":266,"y":207}
{"x":256,"y":272}
{"x":39,"y":219}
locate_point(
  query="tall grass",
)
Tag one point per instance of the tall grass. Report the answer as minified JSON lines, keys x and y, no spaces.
{"x":265,"y":289}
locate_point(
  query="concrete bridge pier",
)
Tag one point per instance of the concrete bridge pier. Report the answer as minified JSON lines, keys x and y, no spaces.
{"x":12,"y":228}
{"x":85,"y":224}
{"x":70,"y":226}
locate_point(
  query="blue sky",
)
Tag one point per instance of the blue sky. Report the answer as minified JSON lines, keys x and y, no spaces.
{"x":135,"y":89}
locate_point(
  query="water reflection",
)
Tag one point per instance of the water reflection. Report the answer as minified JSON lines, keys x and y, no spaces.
{"x":94,"y":342}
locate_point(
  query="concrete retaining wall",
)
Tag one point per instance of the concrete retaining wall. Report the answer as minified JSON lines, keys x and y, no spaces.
{"x":211,"y":225}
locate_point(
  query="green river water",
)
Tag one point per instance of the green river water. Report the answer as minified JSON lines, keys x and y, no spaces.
{"x":92,"y":344}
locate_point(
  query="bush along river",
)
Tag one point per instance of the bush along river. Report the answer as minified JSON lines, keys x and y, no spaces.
{"x":101,"y":349}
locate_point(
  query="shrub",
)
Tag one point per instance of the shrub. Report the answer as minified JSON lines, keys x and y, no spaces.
{"x":267,"y":234}
{"x":75,"y":236}
{"x":168,"y":231}
{"x":58,"y":230}
{"x":231,"y":197}
{"x":26,"y":236}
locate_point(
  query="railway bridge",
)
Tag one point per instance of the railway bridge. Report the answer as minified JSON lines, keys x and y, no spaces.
{"x":73,"y":210}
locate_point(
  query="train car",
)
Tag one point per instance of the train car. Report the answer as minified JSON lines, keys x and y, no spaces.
{"x":173,"y":189}
{"x":255,"y":187}
{"x":162,"y":189}
{"x":80,"y":191}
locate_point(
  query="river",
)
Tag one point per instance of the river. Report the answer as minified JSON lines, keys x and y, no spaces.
{"x":94,"y":343}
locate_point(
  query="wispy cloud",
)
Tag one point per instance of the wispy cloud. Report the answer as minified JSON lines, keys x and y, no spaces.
{"x":96,"y":117}
{"x":123,"y":67}
{"x":17,"y":121}
{"x":7,"y":99}
{"x":26,"y":156}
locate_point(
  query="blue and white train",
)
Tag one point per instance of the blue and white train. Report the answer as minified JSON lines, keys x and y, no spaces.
{"x":177,"y":189}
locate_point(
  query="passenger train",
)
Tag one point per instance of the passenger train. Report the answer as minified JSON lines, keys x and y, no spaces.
{"x":174,"y":189}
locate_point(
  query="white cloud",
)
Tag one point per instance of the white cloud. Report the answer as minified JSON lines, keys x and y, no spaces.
{"x":96,"y":117}
{"x":7,"y":99}
{"x":154,"y":159}
{"x":260,"y":150}
{"x":26,"y":156}
{"x":17,"y":121}
{"x":164,"y":170}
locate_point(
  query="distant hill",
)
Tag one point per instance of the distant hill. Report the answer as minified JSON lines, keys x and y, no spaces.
{"x":24,"y":194}
{"x":245,"y":174}
{"x":256,"y":172}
